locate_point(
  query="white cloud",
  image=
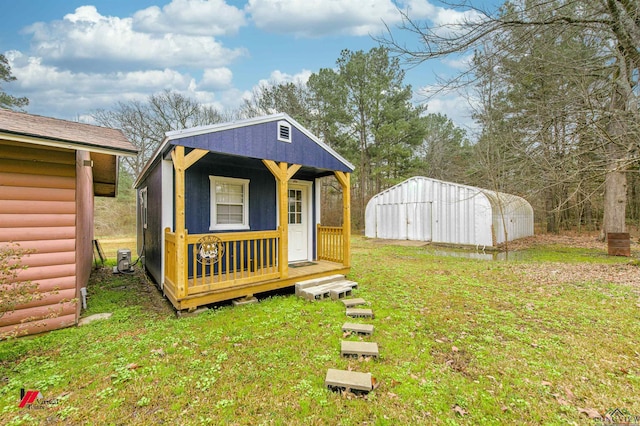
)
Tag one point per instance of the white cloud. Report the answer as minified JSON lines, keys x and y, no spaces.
{"x":278,"y":76}
{"x":195,"y":17}
{"x":418,"y":9}
{"x":315,"y":18}
{"x":461,"y":63}
{"x":443,"y":21}
{"x":456,"y":106}
{"x":63,"y":93}
{"x":89,"y":40}
{"x":216,"y":79}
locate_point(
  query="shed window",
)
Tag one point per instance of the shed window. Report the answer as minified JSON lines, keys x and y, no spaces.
{"x":143,"y":207}
{"x":284,"y":131}
{"x":229,"y":203}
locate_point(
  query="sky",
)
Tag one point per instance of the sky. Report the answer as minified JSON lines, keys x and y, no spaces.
{"x":73,"y":57}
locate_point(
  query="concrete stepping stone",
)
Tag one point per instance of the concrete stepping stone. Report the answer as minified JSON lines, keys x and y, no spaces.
{"x":350,"y":303}
{"x":348,"y":283}
{"x":366,"y":329}
{"x":300,"y":285}
{"x":340,"y":292}
{"x":334,"y":290}
{"x":348,"y":380}
{"x":359,"y":313}
{"x":94,"y":317}
{"x":348,"y":348}
{"x":315,"y":293}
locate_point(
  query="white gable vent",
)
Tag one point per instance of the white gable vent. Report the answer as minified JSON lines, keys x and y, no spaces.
{"x":284,"y":131}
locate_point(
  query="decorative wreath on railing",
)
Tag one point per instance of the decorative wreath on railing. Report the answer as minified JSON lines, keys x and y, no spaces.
{"x":210,"y":249}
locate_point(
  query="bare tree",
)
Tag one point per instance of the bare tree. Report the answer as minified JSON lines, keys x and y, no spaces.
{"x":272,"y":98}
{"x":610,"y":110}
{"x":145,"y":123}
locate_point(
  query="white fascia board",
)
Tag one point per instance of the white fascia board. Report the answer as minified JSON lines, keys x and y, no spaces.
{"x":145,"y":170}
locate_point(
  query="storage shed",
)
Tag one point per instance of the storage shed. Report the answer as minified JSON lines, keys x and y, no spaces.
{"x":50,"y":170}
{"x":233,"y":209}
{"x":424,"y":209}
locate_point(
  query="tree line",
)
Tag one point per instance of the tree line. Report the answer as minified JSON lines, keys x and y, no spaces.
{"x":555,"y":89}
{"x":361,"y":108}
{"x":556,"y":84}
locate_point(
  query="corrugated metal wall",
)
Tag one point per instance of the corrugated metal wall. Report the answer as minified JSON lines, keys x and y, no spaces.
{"x":424,"y":209}
{"x":38,"y":211}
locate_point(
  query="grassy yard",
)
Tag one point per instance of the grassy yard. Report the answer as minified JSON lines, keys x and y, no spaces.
{"x":554,"y":339}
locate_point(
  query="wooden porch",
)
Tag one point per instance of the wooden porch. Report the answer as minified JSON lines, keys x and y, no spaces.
{"x":206,"y":268}
{"x":248,"y":264}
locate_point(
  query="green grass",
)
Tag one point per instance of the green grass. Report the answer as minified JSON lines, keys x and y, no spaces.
{"x":454,"y":333}
{"x":111,"y":245}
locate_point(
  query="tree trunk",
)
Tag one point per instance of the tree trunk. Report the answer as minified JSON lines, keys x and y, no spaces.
{"x":615,"y":203}
{"x":552,"y":225}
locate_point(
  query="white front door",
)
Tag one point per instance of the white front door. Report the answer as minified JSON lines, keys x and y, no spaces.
{"x":298,"y":211}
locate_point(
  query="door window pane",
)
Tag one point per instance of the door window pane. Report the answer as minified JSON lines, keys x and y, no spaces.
{"x":295,"y":206}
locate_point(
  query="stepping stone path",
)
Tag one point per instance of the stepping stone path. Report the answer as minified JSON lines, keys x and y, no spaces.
{"x":336,"y":287}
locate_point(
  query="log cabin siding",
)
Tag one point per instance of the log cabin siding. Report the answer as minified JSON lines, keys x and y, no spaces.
{"x":39,"y":211}
{"x":84,"y":221}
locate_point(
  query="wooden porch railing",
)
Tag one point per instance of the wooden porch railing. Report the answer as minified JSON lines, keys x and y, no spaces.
{"x":170,"y":261}
{"x":331,"y":243}
{"x":247,"y":257}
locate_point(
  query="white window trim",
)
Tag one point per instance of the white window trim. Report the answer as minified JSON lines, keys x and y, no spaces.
{"x":143,"y":207}
{"x":283,"y":123}
{"x":245,"y":204}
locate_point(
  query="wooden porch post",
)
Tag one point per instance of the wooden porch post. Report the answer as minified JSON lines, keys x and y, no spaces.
{"x":345,"y":183}
{"x":181,"y":163}
{"x":177,"y":155}
{"x":282,"y":172}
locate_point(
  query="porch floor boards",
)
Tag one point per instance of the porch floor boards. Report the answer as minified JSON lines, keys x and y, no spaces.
{"x":320,"y":266}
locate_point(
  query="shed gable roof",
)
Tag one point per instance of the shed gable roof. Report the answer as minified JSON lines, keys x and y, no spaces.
{"x":259,"y":138}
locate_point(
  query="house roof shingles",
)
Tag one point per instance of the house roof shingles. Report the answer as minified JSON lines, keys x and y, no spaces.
{"x":85,"y":136}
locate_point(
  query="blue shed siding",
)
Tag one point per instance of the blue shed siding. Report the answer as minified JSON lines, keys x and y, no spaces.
{"x":241,"y":141}
{"x":151,"y":238}
{"x":262,"y":193}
